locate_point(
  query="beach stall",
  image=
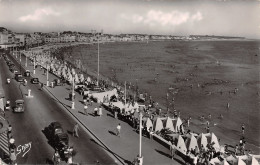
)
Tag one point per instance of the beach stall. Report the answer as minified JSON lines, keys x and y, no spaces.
{"x":177,"y":123}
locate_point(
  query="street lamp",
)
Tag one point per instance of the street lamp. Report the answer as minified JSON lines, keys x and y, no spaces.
{"x":34,"y":64}
{"x":47,"y":67}
{"x":140,"y":158}
{"x":73,"y":93}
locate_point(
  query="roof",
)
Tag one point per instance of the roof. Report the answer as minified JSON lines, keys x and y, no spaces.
{"x":19,"y":101}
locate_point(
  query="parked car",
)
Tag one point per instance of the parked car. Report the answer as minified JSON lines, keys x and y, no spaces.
{"x":19,"y":106}
{"x":55,"y":134}
{"x":18,"y":77}
{"x":35,"y":81}
{"x":27,"y":73}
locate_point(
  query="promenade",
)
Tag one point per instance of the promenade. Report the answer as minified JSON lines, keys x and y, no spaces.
{"x":125,"y":147}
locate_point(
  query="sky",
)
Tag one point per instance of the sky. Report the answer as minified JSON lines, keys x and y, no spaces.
{"x":165,"y":17}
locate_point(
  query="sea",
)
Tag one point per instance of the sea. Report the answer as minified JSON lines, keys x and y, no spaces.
{"x":197,"y":78}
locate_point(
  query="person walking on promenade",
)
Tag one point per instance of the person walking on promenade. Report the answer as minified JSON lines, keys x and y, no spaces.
{"x":86,"y":109}
{"x":41,"y":86}
{"x":243,"y":129}
{"x":207,"y":129}
{"x":56,"y":158}
{"x":76,"y":130}
{"x":9,"y":133}
{"x":118,"y":129}
{"x":172,"y":150}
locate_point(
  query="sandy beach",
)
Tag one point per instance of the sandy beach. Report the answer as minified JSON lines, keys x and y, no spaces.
{"x":202,"y":77}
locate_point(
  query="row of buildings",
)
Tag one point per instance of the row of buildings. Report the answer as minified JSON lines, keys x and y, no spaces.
{"x":12,"y":39}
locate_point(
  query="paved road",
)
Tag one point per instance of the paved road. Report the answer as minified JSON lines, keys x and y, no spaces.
{"x":40,"y":111}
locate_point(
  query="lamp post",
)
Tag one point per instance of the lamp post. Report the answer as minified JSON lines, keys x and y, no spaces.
{"x":47,"y":83}
{"x":34,"y":64}
{"x":73,"y":93}
{"x":140,"y":158}
{"x":98,"y":62}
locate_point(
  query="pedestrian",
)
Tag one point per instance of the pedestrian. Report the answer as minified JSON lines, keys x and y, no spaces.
{"x":100,"y":111}
{"x":41,"y":86}
{"x":95,"y":111}
{"x":209,"y":116}
{"x":56,"y":158}
{"x":172,"y":150}
{"x":243,"y":128}
{"x":76,"y":130}
{"x":207,"y":129}
{"x":195,"y":159}
{"x":228,"y":105}
{"x":236,"y":149}
{"x":86,"y":109}
{"x":7,"y":105}
{"x":85,"y":99}
{"x":150,"y":133}
{"x":9,"y":133}
{"x":118,"y":128}
{"x":188,"y":123}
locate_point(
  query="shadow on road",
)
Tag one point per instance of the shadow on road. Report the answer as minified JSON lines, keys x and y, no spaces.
{"x":125,"y":161}
{"x":112,"y":132}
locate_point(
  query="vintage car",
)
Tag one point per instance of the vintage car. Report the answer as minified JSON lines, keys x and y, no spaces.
{"x":35,"y":81}
{"x":56,"y":136}
{"x":19,"y":106}
{"x":27,"y":73}
{"x":18,"y":77}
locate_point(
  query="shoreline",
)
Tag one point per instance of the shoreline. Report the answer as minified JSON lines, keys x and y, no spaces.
{"x":91,"y":71}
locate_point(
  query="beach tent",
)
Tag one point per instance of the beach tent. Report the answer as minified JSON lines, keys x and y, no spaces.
{"x":76,"y":78}
{"x":89,"y":80}
{"x":214,"y":140}
{"x":231,"y":159}
{"x":240,"y":162}
{"x":169,"y":124}
{"x":224,"y":162}
{"x":202,"y":140}
{"x":181,"y":145}
{"x":100,"y":96}
{"x":215,"y":160}
{"x":254,"y":161}
{"x":191,"y":143}
{"x":148,"y":123}
{"x":81,"y":78}
{"x":176,"y":123}
{"x":158,"y":125}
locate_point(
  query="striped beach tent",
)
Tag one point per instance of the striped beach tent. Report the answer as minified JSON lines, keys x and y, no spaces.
{"x":240,"y":162}
{"x":177,"y":123}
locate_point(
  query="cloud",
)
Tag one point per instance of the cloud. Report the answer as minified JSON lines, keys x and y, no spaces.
{"x":157,"y":17}
{"x":39,"y":14}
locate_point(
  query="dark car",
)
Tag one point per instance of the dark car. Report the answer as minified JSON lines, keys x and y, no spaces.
{"x":55,"y":134}
{"x":19,"y":106}
{"x":18,"y":77}
{"x":27,"y":73}
{"x":35,"y":81}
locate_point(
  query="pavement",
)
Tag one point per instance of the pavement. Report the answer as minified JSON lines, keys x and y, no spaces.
{"x":125,"y":147}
